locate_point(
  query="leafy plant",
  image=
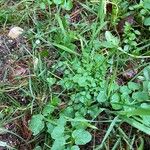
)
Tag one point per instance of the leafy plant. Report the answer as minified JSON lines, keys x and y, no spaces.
{"x":65,"y":4}
{"x":144,"y":9}
{"x":130,"y":39}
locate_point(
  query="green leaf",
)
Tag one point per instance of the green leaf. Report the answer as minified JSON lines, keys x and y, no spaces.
{"x":146,"y":73}
{"x":42,"y":5}
{"x":48,"y":109}
{"x":62,"y":47}
{"x":133,"y":86}
{"x":50,"y":128}
{"x":81,"y":136}
{"x":136,"y":112}
{"x":112,"y":39}
{"x":146,"y":4}
{"x":59,"y":144}
{"x":102,"y":97}
{"x":58,"y":132}
{"x":69,"y":112}
{"x":141,"y":146}
{"x":51,"y":81}
{"x":62,"y":120}
{"x":140,"y":96}
{"x":146,"y":118}
{"x":147,"y":21}
{"x":36,"y":124}
{"x":79,"y":123}
{"x":75,"y":147}
{"x":136,"y":124}
{"x":125,"y":90}
{"x":67,"y":5}
{"x":115,"y":100}
{"x":94,"y":111}
{"x":57,"y":2}
{"x":55,"y":101}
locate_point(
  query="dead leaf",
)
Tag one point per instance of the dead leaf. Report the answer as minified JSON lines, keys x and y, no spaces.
{"x":20,"y":71}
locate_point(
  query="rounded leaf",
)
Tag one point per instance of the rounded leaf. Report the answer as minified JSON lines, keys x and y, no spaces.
{"x":81,"y":136}
{"x":36,"y":124}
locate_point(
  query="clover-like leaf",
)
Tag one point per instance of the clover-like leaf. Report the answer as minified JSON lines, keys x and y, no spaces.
{"x":81,"y":136}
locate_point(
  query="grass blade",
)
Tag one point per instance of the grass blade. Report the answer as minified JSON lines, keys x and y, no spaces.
{"x":62,"y":47}
{"x":136,"y":124}
{"x":108,"y":133}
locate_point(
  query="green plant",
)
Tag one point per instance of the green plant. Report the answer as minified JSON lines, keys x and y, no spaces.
{"x":65,"y":4}
{"x":130,"y":39}
{"x":144,"y":8}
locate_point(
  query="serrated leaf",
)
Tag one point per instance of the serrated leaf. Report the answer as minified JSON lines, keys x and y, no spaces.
{"x":36,"y":124}
{"x":81,"y":136}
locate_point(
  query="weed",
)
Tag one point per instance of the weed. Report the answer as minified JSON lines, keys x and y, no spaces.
{"x":74,"y":99}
